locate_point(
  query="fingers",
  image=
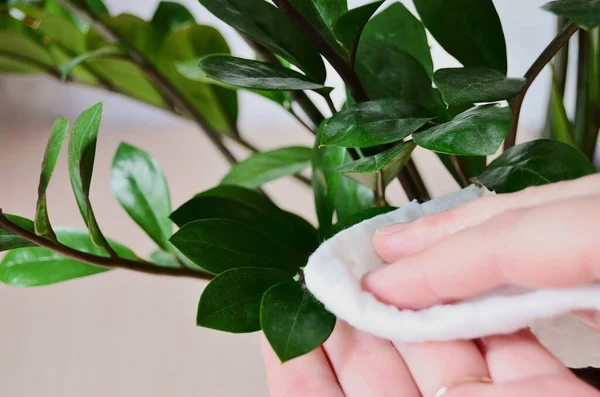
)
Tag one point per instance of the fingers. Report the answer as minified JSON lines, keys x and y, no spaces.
{"x":306,"y":376}
{"x":367,"y":366}
{"x":547,"y":386}
{"x":548,"y":246}
{"x":519,"y":356}
{"x":395,"y":241}
{"x":435,"y":364}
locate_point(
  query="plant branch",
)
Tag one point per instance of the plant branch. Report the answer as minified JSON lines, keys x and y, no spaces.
{"x":345,"y":71}
{"x":546,"y":56}
{"x":101,"y":261}
{"x":462,"y":175}
{"x":330,"y":104}
{"x":162,"y":83}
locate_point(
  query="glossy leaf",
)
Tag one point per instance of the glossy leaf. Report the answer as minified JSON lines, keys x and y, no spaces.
{"x":254,"y":210}
{"x":476,"y":132}
{"x":29,"y":267}
{"x":136,"y":32}
{"x":231,"y":301}
{"x":360,"y":216}
{"x":264,"y":167}
{"x":348,"y":27}
{"x":322,"y":14}
{"x":293,"y":321}
{"x":217,"y":104}
{"x":57,"y":137}
{"x":170,"y":16}
{"x":164,"y":259}
{"x":9,"y":240}
{"x":535,"y":163}
{"x":82,"y":151}
{"x":268,"y":26}
{"x":217,"y":245}
{"x":140,"y":187}
{"x":104,"y":52}
{"x":387,"y":72}
{"x":387,"y":163}
{"x":397,"y":28}
{"x":373,"y":123}
{"x":255,"y":74}
{"x":585,"y":13}
{"x":469,"y":85}
{"x":470,"y":30}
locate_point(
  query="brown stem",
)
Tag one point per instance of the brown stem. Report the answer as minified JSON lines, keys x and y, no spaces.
{"x":101,"y":261}
{"x":330,"y":104}
{"x":459,"y":170}
{"x":345,"y":71}
{"x":380,"y":200}
{"x":546,"y":56}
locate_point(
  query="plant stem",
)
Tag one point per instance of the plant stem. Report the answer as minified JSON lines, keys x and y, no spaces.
{"x":411,"y":180}
{"x":546,"y":56}
{"x":380,"y":200}
{"x":459,"y":170}
{"x":330,"y":104}
{"x":345,"y":71}
{"x":561,"y":65}
{"x":101,"y":261}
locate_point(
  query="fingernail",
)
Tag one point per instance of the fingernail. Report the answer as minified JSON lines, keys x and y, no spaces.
{"x":391,"y":229}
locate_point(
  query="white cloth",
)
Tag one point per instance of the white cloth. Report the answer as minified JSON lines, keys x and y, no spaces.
{"x":334,"y":271}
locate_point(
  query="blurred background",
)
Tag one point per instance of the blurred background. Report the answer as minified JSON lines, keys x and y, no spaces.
{"x":126,"y":334}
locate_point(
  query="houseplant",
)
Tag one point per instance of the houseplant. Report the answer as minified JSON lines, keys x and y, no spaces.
{"x":233,"y":234}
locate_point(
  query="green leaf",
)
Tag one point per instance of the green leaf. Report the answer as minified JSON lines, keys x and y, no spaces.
{"x":389,"y":162}
{"x":267,"y":25}
{"x":231,"y":301}
{"x":325,"y":183}
{"x":561,"y":125}
{"x":82,"y":151}
{"x":253,"y":210}
{"x":9,"y":240}
{"x":535,"y":163}
{"x":170,"y":16}
{"x":293,"y":321}
{"x":264,"y":167}
{"x":57,"y":137}
{"x":136,"y":32}
{"x":11,"y":65}
{"x":358,"y":217}
{"x":96,"y":7}
{"x":397,"y":28}
{"x":352,"y":196}
{"x":373,"y":123}
{"x":20,"y":47}
{"x":470,"y":30}
{"x":348,"y":28}
{"x":322,"y":14}
{"x":104,"y":52}
{"x":387,"y":72}
{"x":217,"y":245}
{"x":61,"y":30}
{"x":30,"y":267}
{"x":476,"y":132}
{"x":164,"y":259}
{"x":141,"y":188}
{"x":217,"y":104}
{"x":471,"y":165}
{"x":255,"y":74}
{"x":469,"y":85}
{"x":585,"y":13}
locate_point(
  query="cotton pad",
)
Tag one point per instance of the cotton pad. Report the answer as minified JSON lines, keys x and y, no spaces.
{"x":334,"y":271}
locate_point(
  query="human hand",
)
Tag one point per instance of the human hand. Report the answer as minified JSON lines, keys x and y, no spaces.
{"x":352,"y":363}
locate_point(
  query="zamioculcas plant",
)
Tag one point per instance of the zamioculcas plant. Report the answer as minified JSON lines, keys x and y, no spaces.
{"x":233,"y":234}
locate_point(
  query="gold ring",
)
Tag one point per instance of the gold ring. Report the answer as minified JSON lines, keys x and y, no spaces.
{"x":473,"y":379}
